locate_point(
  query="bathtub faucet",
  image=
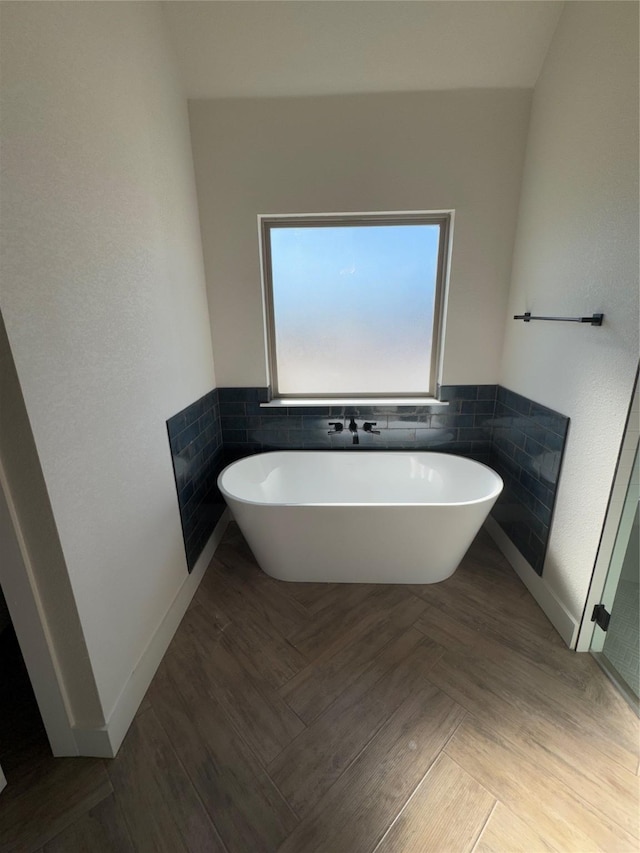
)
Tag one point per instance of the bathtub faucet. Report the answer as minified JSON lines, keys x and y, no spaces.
{"x":353,"y":429}
{"x":368,"y":426}
{"x":337,"y":427}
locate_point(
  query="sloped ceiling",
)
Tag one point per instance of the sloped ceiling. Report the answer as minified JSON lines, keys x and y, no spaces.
{"x":252,"y":48}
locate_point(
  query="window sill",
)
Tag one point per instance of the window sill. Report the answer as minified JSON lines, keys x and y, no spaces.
{"x":287,"y":402}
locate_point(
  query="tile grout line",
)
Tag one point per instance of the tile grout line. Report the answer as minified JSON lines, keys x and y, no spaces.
{"x":359,"y":753}
{"x":239,"y":731}
{"x":339,"y":696}
{"x":501,"y":649}
{"x":188,"y":776}
{"x":339,"y":650}
{"x":572,"y":790}
{"x":260,"y":613}
{"x":295,"y":674}
{"x":193,"y":787}
{"x":248,"y":746}
{"x":489,"y":816}
{"x":41,"y":841}
{"x":554,"y":677}
{"x":469,"y":773}
{"x":293,"y":811}
{"x":124,"y":811}
{"x":259,"y":686}
{"x":510,"y":738}
{"x":603,"y":816}
{"x":415,"y":790}
{"x":399,"y":815}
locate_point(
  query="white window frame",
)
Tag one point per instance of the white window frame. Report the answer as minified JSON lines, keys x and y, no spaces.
{"x":266,"y":222}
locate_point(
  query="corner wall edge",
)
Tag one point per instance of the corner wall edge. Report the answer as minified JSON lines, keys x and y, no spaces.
{"x":104,"y":742}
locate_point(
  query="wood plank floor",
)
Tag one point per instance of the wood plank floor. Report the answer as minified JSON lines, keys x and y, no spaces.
{"x":326,"y":718}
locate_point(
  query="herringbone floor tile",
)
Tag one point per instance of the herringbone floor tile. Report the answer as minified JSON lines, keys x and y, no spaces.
{"x":346,"y":718}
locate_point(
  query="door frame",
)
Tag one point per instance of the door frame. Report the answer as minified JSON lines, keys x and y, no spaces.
{"x":23,"y":601}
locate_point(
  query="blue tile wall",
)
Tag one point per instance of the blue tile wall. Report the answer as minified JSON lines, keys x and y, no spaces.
{"x":528,"y":442}
{"x":463,"y":427}
{"x":517,"y":437}
{"x":195,"y":439}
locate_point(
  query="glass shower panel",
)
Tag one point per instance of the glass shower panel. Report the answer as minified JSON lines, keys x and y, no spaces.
{"x":622,"y":641}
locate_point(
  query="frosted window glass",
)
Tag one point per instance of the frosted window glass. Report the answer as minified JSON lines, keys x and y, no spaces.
{"x":354,"y":308}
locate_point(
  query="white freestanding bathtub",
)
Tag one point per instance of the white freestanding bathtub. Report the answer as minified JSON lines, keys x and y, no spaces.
{"x":380,"y":517}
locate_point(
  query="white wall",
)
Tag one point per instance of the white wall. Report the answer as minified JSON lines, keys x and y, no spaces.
{"x":104,"y":301}
{"x":577,"y":253}
{"x":386,"y":152}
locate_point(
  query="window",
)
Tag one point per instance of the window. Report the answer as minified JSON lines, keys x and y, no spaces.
{"x":354,"y":303}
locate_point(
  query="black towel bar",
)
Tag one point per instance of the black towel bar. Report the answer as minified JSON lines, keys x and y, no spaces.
{"x":594,"y":320}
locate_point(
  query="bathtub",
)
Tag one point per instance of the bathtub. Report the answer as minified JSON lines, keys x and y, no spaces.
{"x":382,"y":517}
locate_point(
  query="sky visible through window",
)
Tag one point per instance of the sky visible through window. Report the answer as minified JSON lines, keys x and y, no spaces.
{"x":353,"y":307}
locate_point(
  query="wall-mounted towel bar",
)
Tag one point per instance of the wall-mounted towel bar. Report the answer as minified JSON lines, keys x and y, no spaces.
{"x":593,"y":320}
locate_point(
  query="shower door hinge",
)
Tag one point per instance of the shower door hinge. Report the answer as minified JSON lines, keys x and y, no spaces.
{"x":601,"y":616}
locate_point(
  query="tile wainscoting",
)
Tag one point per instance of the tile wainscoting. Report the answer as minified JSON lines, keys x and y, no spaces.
{"x":519,"y":438}
{"x":195,"y":439}
{"x":463,"y":427}
{"x":527,"y":446}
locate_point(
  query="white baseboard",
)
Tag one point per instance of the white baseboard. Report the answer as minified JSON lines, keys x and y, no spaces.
{"x":564,"y":623}
{"x":93,"y":742}
{"x":106,"y":741}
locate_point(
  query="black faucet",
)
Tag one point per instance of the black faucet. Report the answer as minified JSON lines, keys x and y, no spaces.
{"x":353,"y":429}
{"x":337,"y":427}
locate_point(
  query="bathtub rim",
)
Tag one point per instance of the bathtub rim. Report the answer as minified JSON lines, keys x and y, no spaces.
{"x":493,"y":495}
